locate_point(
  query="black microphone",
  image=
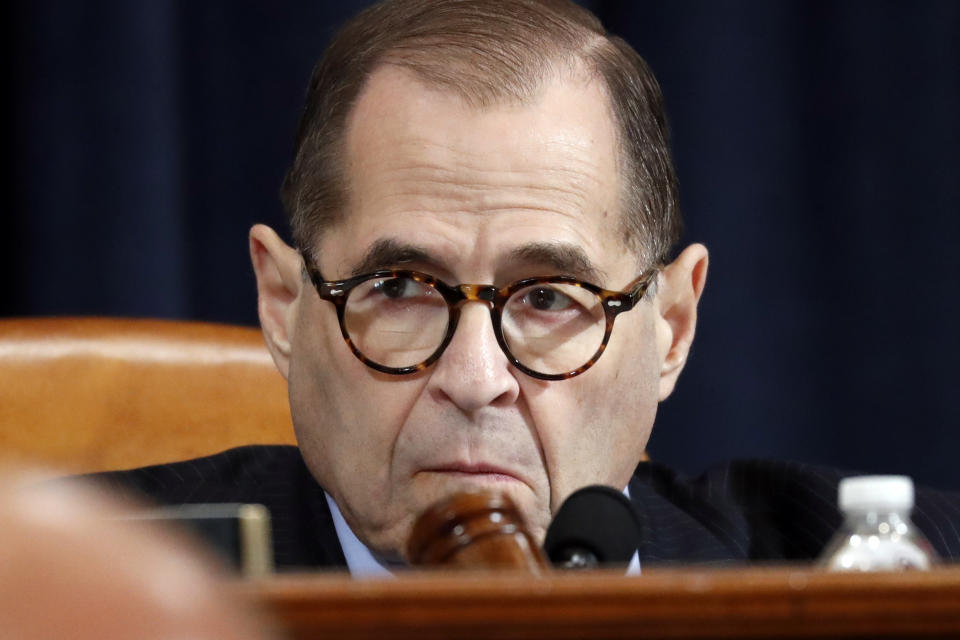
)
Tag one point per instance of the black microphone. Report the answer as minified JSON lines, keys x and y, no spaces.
{"x":595,"y":526}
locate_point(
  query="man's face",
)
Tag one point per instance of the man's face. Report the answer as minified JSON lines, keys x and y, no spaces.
{"x":468,"y":190}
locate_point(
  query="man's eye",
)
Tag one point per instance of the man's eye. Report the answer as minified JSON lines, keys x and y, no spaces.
{"x":547,"y":299}
{"x":397,"y":288}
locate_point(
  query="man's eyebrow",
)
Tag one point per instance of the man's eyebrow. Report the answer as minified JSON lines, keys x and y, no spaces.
{"x":386,"y":253}
{"x":561,"y":257}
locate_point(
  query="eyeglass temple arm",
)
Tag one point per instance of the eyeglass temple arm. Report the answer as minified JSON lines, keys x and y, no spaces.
{"x":639,"y":287}
{"x":327,"y":290}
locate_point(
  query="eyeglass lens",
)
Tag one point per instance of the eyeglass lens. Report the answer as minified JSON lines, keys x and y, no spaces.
{"x":550,"y":328}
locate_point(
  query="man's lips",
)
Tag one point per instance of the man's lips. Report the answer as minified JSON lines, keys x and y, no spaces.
{"x":479,"y":471}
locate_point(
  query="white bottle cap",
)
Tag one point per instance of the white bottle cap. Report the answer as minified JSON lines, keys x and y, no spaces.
{"x":861,"y":493}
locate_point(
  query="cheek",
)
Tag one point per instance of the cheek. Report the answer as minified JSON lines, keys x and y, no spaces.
{"x":627,"y":405}
{"x":594,"y":428}
{"x":346,"y":416}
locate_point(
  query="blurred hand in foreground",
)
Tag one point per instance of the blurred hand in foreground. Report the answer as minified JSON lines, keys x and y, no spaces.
{"x":70,"y":569}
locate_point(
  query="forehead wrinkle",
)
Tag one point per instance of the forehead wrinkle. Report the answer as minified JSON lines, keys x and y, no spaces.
{"x":469,"y":171}
{"x":439,"y":170}
{"x":446,"y":193}
{"x":557,"y":154}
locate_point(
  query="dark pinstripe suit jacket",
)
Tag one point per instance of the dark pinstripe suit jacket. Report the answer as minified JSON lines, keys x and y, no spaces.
{"x":742,"y":511}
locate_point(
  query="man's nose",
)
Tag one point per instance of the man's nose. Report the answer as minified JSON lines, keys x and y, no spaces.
{"x":473,"y":371}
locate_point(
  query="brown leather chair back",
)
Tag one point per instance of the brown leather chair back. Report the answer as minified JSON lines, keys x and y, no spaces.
{"x":88,"y":394}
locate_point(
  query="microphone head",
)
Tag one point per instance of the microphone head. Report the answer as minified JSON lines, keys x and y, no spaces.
{"x":594,"y":520}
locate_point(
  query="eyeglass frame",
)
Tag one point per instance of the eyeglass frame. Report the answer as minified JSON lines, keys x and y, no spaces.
{"x":614,"y":303}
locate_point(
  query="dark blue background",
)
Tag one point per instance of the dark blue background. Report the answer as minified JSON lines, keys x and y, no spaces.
{"x":818,"y":148}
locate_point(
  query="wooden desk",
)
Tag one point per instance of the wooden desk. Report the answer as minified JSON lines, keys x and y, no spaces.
{"x":683,"y":603}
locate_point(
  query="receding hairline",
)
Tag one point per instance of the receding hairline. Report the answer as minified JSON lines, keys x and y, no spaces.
{"x":491,"y":52}
{"x":575,"y":73}
{"x":480,"y":87}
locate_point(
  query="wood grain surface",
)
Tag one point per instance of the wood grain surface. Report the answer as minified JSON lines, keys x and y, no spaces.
{"x":777,"y":602}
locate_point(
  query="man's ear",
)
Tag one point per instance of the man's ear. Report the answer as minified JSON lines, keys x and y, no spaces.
{"x":678,"y":293}
{"x":278,"y":269}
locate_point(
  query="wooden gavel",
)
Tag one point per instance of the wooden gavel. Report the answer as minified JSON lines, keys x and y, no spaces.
{"x":481,"y":530}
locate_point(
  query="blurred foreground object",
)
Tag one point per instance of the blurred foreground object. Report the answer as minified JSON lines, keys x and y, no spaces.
{"x":877,"y":533}
{"x":95,"y":394}
{"x":70,"y":569}
{"x":476,"y":530}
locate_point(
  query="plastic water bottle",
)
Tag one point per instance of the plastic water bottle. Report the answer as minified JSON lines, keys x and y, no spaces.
{"x":877,"y":533}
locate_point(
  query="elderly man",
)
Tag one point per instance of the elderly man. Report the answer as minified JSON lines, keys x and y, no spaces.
{"x":482,"y":295}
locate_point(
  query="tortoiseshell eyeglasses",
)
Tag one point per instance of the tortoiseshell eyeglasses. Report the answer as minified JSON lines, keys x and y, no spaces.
{"x":551,"y":328}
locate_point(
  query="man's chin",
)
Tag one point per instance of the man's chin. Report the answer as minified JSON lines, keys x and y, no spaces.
{"x":431,"y":488}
